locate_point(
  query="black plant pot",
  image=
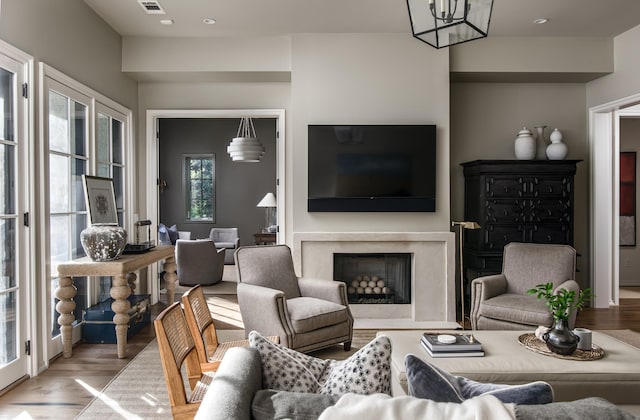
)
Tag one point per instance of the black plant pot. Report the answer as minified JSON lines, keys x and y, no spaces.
{"x":560,"y":339}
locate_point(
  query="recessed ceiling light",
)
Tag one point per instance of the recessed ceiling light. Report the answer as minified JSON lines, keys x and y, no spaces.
{"x":209,"y":21}
{"x":541,"y":21}
{"x":166,"y":21}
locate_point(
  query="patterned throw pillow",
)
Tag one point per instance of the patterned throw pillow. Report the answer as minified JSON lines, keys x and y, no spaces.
{"x":429,"y":382}
{"x":367,"y":371}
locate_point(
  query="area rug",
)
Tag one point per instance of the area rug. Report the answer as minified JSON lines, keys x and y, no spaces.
{"x":139,"y":390}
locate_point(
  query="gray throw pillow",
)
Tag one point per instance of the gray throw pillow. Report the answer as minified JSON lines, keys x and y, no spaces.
{"x":429,"y":382}
{"x":584,"y":409}
{"x":271,"y":404}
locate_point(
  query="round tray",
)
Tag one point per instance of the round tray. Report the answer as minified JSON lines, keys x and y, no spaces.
{"x":534,"y":344}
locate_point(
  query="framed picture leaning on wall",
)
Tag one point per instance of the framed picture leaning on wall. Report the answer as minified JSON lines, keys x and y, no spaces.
{"x":100,"y":199}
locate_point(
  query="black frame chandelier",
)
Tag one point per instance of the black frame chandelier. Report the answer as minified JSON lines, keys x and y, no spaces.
{"x":441,"y":23}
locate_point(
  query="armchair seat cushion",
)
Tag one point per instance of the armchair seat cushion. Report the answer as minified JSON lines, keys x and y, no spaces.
{"x":230,"y":245}
{"x":310,"y":314}
{"x":531,"y":311}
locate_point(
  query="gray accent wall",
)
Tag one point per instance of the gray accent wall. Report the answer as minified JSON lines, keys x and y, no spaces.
{"x":485,"y":120}
{"x":239,"y":186}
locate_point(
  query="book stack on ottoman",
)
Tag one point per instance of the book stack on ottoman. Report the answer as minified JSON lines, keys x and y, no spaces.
{"x":451,"y":345}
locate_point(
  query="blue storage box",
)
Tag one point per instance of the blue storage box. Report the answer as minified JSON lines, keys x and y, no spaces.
{"x":98,"y":326}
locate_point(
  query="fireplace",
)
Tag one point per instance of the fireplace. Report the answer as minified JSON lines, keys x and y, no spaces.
{"x":432,"y":281}
{"x":374,"y":278}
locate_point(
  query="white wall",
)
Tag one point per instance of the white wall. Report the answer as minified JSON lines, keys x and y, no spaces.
{"x":368,"y":79}
{"x":624,"y":81}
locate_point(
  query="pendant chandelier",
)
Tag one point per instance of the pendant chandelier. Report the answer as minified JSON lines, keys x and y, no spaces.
{"x":245,"y":147}
{"x":441,"y":23}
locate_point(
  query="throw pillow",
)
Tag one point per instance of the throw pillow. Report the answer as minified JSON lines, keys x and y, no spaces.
{"x":367,"y":371}
{"x":428,"y":381}
{"x":269,"y":404}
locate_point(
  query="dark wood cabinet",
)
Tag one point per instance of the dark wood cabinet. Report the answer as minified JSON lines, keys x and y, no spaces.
{"x":515,"y":201}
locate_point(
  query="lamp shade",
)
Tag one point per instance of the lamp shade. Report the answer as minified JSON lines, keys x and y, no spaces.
{"x":245,"y":147}
{"x":442,"y":23}
{"x":269,"y":200}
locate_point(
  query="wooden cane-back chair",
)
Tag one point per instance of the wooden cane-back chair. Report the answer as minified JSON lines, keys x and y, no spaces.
{"x":203,"y":330}
{"x":177,"y":349}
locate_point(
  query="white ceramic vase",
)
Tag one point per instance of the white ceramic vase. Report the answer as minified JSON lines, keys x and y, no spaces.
{"x":557,"y":150}
{"x":541,"y":142}
{"x":525,"y":145}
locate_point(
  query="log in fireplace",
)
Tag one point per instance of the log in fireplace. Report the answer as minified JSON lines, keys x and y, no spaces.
{"x":374,"y":278}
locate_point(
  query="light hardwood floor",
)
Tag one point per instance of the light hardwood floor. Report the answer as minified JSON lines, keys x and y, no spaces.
{"x":63,"y":390}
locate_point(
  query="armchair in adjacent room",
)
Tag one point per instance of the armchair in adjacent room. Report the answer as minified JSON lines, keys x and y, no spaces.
{"x":307,"y":314}
{"x":227,"y":239}
{"x":500,"y":302}
{"x":198,"y":262}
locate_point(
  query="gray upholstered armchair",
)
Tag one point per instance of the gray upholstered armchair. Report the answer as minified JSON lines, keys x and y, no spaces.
{"x":227,"y":239}
{"x":198,"y":262}
{"x":307,"y":314}
{"x":500,"y":302}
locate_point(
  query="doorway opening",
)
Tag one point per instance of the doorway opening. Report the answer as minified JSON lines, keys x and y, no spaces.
{"x":152,"y":179}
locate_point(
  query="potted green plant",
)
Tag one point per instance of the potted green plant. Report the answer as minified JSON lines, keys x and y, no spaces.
{"x":559,"y":338}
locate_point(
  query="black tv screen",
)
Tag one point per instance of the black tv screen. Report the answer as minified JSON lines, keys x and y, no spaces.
{"x":372,"y":168}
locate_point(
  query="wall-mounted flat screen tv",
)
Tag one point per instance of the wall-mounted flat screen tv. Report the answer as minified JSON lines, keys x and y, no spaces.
{"x":371,"y":168}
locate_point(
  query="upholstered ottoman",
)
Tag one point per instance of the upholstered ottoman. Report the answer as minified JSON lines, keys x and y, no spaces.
{"x":615,"y":377}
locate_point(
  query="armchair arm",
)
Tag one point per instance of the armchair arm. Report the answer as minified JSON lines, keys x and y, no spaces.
{"x":484,"y":288}
{"x":265,"y":310}
{"x":333,"y":291}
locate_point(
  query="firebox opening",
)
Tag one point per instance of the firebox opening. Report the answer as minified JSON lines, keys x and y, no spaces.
{"x":375,"y":278}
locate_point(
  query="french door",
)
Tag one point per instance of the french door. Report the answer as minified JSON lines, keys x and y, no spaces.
{"x":14,"y":174}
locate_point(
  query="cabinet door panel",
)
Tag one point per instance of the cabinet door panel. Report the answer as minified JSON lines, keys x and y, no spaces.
{"x":551,"y":234}
{"x":497,"y":236}
{"x":552,"y":211}
{"x":504,"y":187}
{"x":504,"y":211}
{"x":556,"y":187}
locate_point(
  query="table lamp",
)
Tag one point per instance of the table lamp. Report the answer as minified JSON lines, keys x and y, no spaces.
{"x":269,"y":203}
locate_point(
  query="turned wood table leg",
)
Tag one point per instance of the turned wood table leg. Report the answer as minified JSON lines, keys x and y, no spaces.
{"x":65,"y":292}
{"x":131,"y":279}
{"x":170,"y":277}
{"x":120,"y":291}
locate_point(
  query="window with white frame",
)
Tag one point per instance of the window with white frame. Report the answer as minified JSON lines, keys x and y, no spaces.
{"x":86,"y":133}
{"x":199,"y":180}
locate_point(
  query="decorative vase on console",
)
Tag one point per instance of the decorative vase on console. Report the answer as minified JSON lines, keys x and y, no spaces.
{"x":103,"y":241}
{"x":541,"y":143}
{"x":557,"y":150}
{"x":525,"y":145}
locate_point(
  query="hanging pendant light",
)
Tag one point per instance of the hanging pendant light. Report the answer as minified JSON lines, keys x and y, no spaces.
{"x":441,"y":23}
{"x":245,"y":147}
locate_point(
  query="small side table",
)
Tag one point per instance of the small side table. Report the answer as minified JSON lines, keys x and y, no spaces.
{"x":263,"y":238}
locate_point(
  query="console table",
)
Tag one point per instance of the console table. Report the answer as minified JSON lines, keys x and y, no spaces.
{"x":123,"y":272}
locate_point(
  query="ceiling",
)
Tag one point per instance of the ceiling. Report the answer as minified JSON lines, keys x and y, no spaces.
{"x":567,"y":18}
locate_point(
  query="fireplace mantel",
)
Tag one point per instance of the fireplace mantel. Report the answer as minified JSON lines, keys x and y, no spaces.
{"x":433,"y":297}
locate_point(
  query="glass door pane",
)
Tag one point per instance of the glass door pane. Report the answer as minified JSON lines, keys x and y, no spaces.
{"x":68,"y":145}
{"x":12,"y":311}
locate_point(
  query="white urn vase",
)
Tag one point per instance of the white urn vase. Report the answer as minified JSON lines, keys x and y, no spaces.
{"x":557,"y":150}
{"x":525,"y":145}
{"x":103,"y":241}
